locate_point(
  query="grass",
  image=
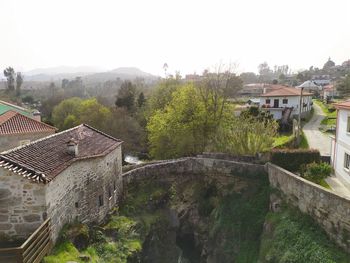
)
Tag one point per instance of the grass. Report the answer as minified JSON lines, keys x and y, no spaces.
{"x":303,"y":142}
{"x":282,"y":140}
{"x":324,"y":184}
{"x":330,"y":120}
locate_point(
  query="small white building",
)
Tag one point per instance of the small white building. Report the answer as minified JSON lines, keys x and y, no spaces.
{"x":340,"y":152}
{"x":285,"y":102}
{"x":310,"y":86}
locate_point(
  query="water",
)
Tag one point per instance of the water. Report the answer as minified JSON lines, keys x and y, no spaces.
{"x":132,"y":159}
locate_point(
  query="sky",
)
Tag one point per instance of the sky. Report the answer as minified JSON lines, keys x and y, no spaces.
{"x":188,"y":35}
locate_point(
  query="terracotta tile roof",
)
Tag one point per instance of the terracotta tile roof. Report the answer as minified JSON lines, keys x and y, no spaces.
{"x":44,"y":159}
{"x":343,"y":105}
{"x":284,"y":92}
{"x":12,"y":122}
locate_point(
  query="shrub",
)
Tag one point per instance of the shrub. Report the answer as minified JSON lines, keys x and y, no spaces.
{"x":316,"y":172}
{"x":292,"y":159}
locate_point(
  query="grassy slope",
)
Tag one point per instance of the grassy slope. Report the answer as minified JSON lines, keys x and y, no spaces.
{"x":330,"y":119}
{"x":295,"y":238}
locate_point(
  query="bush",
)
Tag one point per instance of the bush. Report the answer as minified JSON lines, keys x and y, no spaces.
{"x":316,"y":172}
{"x":292,"y":159}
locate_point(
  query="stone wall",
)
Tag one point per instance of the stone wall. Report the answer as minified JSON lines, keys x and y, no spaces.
{"x":75,"y":193}
{"x":329,"y":209}
{"x":192,"y":166}
{"x":13,"y":140}
{"x":22,"y":205}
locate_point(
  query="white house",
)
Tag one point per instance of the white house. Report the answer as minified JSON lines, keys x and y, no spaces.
{"x":284,"y":102}
{"x":340,"y":154}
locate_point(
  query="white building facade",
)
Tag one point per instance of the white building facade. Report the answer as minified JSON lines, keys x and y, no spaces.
{"x":340,"y":155}
{"x":277,"y":101}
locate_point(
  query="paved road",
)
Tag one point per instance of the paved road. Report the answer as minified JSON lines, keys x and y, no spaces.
{"x":316,"y":139}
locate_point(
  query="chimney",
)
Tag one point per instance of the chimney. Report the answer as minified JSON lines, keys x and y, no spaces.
{"x":37,"y":115}
{"x":72,"y":147}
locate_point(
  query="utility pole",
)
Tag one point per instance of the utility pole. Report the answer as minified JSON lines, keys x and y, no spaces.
{"x":299,"y":117}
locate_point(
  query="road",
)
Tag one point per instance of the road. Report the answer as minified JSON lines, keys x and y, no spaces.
{"x":317,"y":139}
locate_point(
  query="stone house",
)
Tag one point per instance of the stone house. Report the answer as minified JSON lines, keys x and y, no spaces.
{"x":285,"y":101}
{"x":17,"y":129}
{"x":68,"y":176}
{"x":340,"y":150}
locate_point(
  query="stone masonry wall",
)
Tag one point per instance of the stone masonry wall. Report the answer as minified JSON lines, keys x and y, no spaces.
{"x":74,"y":194}
{"x":11,"y":141}
{"x":329,"y":209}
{"x":22,"y":205}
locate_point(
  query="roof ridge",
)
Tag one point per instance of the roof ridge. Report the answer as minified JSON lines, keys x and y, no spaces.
{"x":39,"y":140}
{"x":101,"y":132}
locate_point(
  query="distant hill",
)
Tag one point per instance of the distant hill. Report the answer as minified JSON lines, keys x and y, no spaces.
{"x":88,"y":73}
{"x":122,"y":73}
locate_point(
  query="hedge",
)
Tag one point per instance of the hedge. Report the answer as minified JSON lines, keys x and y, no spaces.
{"x":292,"y":159}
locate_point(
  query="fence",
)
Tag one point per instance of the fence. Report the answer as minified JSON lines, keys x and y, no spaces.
{"x":33,"y":249}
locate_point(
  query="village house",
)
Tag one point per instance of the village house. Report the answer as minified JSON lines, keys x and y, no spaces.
{"x":68,"y":176}
{"x":17,"y":129}
{"x":284,"y":102}
{"x":329,"y":92}
{"x":6,"y":106}
{"x":340,"y":151}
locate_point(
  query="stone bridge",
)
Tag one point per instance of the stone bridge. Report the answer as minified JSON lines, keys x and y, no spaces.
{"x":330,"y":210}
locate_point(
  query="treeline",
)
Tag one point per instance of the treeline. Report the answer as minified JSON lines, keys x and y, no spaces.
{"x":174,"y":119}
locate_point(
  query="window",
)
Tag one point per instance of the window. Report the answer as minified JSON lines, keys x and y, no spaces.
{"x":346,"y":161}
{"x":114,"y":186}
{"x":348,"y":125}
{"x":285,"y":101}
{"x":267,"y":101}
{"x":100,"y":200}
{"x":76,"y":205}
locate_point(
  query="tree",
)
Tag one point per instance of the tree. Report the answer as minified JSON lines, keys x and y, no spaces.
{"x":343,"y":86}
{"x":19,"y":81}
{"x":215,"y":89}
{"x":126,"y":96}
{"x":177,"y":129}
{"x":249,"y":77}
{"x":10,"y":74}
{"x":141,"y":100}
{"x":247,"y":136}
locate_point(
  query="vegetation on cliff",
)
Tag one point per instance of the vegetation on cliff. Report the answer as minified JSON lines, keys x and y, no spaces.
{"x":199,"y":219}
{"x":293,"y":237}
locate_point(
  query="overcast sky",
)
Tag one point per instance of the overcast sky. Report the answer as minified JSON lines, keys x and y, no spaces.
{"x":188,"y":35}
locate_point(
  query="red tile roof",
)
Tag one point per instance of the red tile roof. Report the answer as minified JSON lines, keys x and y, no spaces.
{"x":12,"y":122}
{"x":44,"y":159}
{"x":343,"y":105}
{"x":284,"y":92}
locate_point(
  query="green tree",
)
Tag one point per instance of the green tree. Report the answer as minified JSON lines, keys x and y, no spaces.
{"x":141,"y":100}
{"x":19,"y":82}
{"x":126,"y":96}
{"x":177,"y":129}
{"x":10,"y":74}
{"x":246,"y":136}
{"x":67,"y":109}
